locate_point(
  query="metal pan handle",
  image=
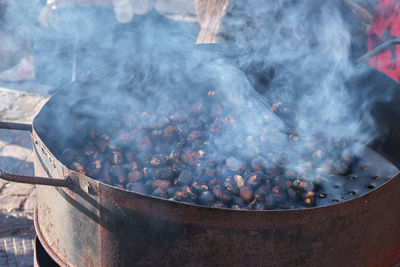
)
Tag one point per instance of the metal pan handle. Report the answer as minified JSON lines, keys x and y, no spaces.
{"x":67,"y":182}
{"x":15,"y":126}
{"x":380,"y":48}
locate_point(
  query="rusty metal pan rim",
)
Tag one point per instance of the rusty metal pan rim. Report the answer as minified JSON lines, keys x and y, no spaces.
{"x":257,"y":211}
{"x":243,"y":210}
{"x":110,"y":192}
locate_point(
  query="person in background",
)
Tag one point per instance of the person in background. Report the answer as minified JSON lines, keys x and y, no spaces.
{"x":16,"y":34}
{"x":386,"y":26}
{"x":74,"y":36}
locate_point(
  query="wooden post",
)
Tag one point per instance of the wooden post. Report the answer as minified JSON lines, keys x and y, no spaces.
{"x":361,"y":13}
{"x":210,"y":14}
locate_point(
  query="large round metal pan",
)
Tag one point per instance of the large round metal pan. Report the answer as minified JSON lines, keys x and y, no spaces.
{"x":95,"y":224}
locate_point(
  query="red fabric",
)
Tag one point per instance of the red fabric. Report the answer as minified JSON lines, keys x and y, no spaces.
{"x":386,"y":26}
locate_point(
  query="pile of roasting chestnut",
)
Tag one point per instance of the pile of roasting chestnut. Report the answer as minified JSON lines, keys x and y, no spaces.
{"x":172,"y":153}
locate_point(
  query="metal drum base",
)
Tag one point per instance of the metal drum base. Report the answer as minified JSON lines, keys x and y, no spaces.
{"x":44,"y":246}
{"x":41,"y":258}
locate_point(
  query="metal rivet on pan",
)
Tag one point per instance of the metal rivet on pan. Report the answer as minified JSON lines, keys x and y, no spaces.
{"x":352,"y":192}
{"x":371,"y":186}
